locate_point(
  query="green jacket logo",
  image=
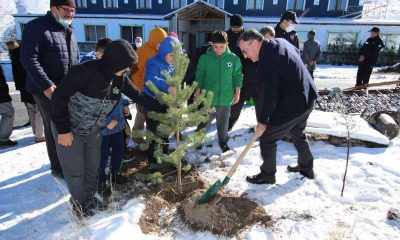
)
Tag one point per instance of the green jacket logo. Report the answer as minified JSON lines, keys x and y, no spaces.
{"x":229,"y":64}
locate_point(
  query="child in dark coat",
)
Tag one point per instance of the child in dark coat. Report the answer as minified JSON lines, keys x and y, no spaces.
{"x":80,"y":105}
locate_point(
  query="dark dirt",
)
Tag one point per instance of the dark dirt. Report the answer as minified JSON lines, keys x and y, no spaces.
{"x":156,"y":216}
{"x":224,"y":215}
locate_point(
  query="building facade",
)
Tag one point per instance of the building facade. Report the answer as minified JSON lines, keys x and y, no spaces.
{"x":338,"y":23}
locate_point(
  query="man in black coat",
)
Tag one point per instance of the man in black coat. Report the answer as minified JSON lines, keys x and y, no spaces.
{"x":288,"y":98}
{"x":49,"y":50}
{"x":285,"y":28}
{"x":19,"y":74}
{"x":369,"y":56}
{"x":6,"y":112}
{"x":249,"y":89}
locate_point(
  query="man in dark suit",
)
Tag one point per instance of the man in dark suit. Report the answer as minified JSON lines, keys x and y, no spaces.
{"x":288,"y":98}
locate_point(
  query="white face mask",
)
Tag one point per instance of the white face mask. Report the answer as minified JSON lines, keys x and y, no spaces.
{"x":138,"y":44}
{"x":290,"y":28}
{"x":63,"y":21}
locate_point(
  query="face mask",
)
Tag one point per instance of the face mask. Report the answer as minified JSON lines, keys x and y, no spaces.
{"x":138,"y":44}
{"x":63,"y":21}
{"x":290,"y":28}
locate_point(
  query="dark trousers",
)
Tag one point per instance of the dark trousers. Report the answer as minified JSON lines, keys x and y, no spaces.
{"x":152,"y":126}
{"x":113,"y":143}
{"x":294,"y":129}
{"x":222,"y":117}
{"x":363,"y":73}
{"x":311,"y":71}
{"x":44,"y":105}
{"x":80,"y":164}
{"x":248,"y":91}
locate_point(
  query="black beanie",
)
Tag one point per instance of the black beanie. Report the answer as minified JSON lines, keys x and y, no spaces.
{"x":69,"y":3}
{"x":236,"y":20}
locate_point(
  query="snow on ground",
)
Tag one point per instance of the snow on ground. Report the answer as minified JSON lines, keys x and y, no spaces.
{"x":34,"y":206}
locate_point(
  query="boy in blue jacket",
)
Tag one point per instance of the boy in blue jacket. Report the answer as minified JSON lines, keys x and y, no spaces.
{"x":113,"y":142}
{"x":162,"y":61}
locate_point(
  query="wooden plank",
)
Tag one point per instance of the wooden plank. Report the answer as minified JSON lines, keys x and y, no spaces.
{"x":372,"y":85}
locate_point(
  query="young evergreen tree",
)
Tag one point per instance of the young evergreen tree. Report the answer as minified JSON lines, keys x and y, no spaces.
{"x":179,"y":116}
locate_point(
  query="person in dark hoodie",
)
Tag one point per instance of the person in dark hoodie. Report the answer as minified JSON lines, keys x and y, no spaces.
{"x":162,"y":61}
{"x":285,"y":28}
{"x":79,"y":106}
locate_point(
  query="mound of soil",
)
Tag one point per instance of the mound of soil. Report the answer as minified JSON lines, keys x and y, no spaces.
{"x":224,"y":215}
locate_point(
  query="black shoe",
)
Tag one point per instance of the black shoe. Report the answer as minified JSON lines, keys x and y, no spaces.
{"x":8,"y":143}
{"x":104,"y":190}
{"x":224,"y":147}
{"x":79,"y":210}
{"x":261,"y":178}
{"x":119,"y":179}
{"x":57,"y":173}
{"x":306,"y":173}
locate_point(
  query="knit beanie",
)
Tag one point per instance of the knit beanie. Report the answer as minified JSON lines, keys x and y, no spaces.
{"x":69,"y":3}
{"x":236,"y":20}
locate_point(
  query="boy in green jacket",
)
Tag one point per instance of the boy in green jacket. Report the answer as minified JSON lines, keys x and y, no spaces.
{"x":220,"y":71}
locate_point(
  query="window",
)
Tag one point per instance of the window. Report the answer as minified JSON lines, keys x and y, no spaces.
{"x":295,"y":4}
{"x":235,"y":2}
{"x":144,"y":4}
{"x":391,"y":41}
{"x":94,"y":33}
{"x":81,"y":4}
{"x":130,"y":32}
{"x":341,"y":41}
{"x":255,"y":4}
{"x":178,"y":3}
{"x":110,"y":3}
{"x":337,"y":5}
{"x":302,"y":35}
{"x":217,"y":3}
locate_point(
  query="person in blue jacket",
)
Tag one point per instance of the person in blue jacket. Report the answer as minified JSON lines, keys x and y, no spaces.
{"x":113,"y":144}
{"x":162,"y":61}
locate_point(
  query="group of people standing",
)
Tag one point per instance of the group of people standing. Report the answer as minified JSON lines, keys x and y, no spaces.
{"x":84,"y":105}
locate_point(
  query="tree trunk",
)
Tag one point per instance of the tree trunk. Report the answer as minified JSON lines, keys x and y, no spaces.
{"x":179,"y":163}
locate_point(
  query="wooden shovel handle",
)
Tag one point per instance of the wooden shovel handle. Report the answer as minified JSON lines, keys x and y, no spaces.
{"x":242,"y":155}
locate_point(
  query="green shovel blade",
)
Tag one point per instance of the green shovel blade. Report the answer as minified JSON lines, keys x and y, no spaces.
{"x":212,"y":191}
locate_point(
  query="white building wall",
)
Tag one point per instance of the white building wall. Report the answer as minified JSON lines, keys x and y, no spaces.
{"x":323,"y":29}
{"x":321,"y":26}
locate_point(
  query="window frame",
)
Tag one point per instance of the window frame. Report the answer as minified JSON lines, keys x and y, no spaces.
{"x":79,"y":2}
{"x":115,"y":4}
{"x":336,"y":10}
{"x":397,"y":46}
{"x":97,"y":37}
{"x":132,"y":26}
{"x":255,"y":4}
{"x":302,"y":8}
{"x":342,"y":32}
{"x":182,"y":1}
{"x":145,"y":1}
{"x":223,"y":3}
